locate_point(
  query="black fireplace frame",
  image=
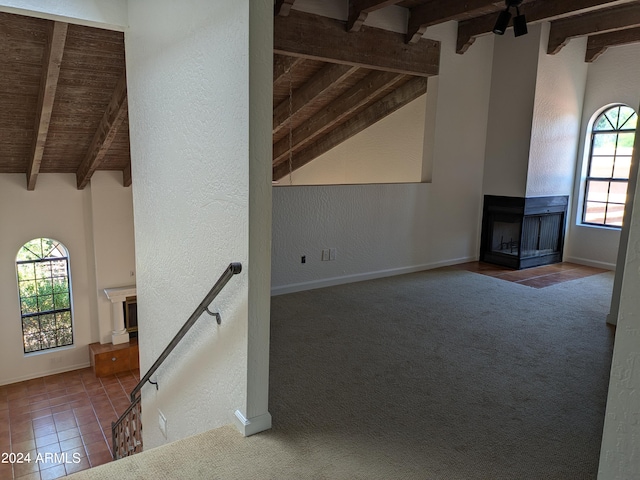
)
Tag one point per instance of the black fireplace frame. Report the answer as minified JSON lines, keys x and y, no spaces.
{"x":516,"y":209}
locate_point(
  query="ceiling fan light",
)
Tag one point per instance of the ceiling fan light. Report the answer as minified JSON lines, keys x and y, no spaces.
{"x":502,"y":23}
{"x":519,"y":25}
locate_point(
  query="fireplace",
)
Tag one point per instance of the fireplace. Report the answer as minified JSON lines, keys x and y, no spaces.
{"x":130,"y":306}
{"x":523,"y":232}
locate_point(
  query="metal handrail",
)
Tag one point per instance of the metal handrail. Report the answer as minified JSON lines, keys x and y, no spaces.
{"x":233,"y":269}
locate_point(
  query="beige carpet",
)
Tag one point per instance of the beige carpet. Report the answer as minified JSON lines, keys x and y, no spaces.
{"x":444,"y":374}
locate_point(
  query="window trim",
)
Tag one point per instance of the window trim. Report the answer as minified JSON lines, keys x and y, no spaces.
{"x":588,"y":157}
{"x":65,"y":251}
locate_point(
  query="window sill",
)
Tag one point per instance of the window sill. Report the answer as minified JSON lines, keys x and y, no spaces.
{"x":599,"y":227}
{"x":49,"y":350}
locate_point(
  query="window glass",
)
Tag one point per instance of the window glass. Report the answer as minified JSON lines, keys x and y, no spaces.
{"x":44,"y":288}
{"x":610,"y":154}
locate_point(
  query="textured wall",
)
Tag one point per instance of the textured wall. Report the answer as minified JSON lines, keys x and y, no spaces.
{"x":513,"y":90}
{"x":188,"y":79}
{"x":612,"y":78}
{"x":58,"y":210}
{"x":557,"y":112}
{"x":113,"y":240}
{"x":621,"y":435}
{"x":375,"y":229}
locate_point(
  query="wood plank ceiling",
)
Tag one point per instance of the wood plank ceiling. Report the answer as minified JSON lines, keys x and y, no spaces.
{"x":63,"y":100}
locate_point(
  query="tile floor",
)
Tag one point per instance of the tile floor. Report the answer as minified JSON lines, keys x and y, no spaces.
{"x":68,"y":413}
{"x":536,"y":277}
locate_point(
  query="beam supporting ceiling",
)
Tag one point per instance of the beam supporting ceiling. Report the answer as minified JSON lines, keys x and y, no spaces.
{"x":439,"y":11}
{"x":609,"y":20}
{"x":281,"y":66}
{"x":400,"y":97}
{"x":112,"y":119}
{"x":535,"y":11}
{"x":325,"y":39}
{"x":598,"y":44}
{"x":330,"y":76}
{"x":360,"y":9}
{"x":46,"y":97}
{"x":283,"y":7}
{"x":340,"y":109}
{"x":126,"y":175}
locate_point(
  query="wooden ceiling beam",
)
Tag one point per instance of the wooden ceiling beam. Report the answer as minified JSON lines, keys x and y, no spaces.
{"x":330,"y":76}
{"x":535,"y":11}
{"x":281,"y":67}
{"x":339,"y":110}
{"x":360,"y":9}
{"x":598,"y":44}
{"x":603,"y":21}
{"x":112,"y":119}
{"x":439,"y":11}
{"x":126,"y":175}
{"x":400,"y":97}
{"x":283,"y":7}
{"x":48,"y":87}
{"x":325,"y":39}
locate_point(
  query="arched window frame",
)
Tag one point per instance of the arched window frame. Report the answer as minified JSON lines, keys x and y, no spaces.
{"x":44,"y":290}
{"x":607,"y":190}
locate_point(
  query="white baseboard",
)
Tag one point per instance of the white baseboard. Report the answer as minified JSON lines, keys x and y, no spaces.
{"x":31,"y":376}
{"x":359,"y":277}
{"x":590,"y":263}
{"x":253,"y":425}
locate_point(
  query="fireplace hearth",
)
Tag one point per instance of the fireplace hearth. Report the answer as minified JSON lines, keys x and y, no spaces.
{"x":520,"y":232}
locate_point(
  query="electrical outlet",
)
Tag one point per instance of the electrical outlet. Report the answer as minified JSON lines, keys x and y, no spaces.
{"x":162,"y":423}
{"x":332,"y":254}
{"x":325,"y":255}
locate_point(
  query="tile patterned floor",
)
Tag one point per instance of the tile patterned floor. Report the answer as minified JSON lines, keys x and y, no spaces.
{"x":67,"y":414}
{"x":536,"y":277}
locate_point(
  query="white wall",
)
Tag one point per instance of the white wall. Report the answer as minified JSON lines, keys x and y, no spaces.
{"x":58,"y":210}
{"x":390,"y":151}
{"x":612,"y":78}
{"x":392,"y":18}
{"x":560,"y":86}
{"x":513,"y":90}
{"x":256,"y":406}
{"x":193,"y":130}
{"x":621,"y":434}
{"x":110,"y":14}
{"x":113,"y":242}
{"x":381,"y":230}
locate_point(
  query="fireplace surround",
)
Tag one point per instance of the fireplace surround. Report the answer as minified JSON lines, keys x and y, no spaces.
{"x":520,"y":232}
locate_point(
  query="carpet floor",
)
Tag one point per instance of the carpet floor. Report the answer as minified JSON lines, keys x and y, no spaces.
{"x":444,"y":374}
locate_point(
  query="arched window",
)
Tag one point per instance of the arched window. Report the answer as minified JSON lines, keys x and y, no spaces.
{"x":44,"y":286}
{"x":612,"y":139}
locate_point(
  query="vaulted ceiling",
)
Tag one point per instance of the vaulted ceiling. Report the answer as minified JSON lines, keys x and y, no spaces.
{"x":63,"y":101}
{"x":63,"y":105}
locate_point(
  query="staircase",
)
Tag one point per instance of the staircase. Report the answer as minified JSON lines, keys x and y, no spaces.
{"x":127,"y":431}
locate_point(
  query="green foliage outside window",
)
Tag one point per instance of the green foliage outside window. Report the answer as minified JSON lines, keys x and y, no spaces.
{"x":42,"y":269}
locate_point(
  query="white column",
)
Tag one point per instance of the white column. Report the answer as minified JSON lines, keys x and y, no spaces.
{"x":119,"y":333}
{"x":118,"y":296}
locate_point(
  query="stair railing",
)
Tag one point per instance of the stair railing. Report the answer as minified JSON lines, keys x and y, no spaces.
{"x":127,"y":430}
